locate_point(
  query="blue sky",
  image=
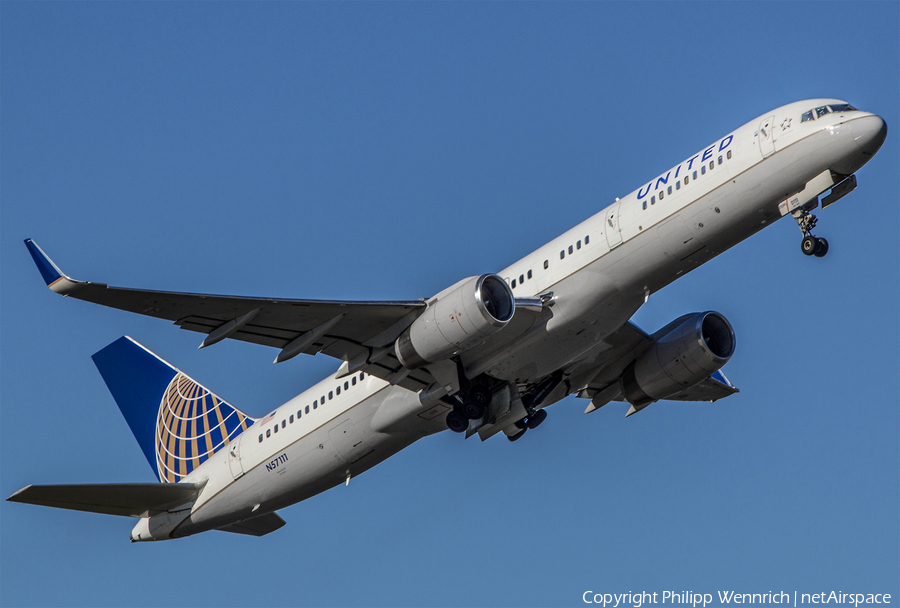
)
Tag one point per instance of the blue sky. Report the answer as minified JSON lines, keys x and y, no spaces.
{"x":384,"y":151}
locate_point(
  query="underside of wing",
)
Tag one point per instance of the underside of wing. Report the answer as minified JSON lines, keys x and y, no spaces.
{"x":618,"y":353}
{"x":257,"y":526}
{"x":360,"y":333}
{"x":716,"y":387}
{"x":126,"y":499}
{"x":342,"y":329}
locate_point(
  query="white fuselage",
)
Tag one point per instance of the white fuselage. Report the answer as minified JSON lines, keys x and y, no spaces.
{"x":600,"y":272}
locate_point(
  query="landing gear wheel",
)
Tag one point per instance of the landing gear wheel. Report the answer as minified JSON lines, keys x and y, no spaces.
{"x":536,"y":419}
{"x":473,"y":410}
{"x":821,"y":247}
{"x":479,"y":395}
{"x":457,"y":422}
{"x":809,"y":244}
{"x":516,"y":436}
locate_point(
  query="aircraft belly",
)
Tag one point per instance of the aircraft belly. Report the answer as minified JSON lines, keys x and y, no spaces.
{"x":315,"y":463}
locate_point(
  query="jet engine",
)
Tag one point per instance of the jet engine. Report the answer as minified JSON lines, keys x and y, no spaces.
{"x":695,"y":346}
{"x":459,"y":318}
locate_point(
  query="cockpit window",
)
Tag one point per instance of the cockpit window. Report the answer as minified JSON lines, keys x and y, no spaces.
{"x":823,"y":110}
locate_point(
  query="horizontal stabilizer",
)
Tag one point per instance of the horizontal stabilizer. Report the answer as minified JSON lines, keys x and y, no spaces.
{"x":127,"y":499}
{"x":257,"y":526}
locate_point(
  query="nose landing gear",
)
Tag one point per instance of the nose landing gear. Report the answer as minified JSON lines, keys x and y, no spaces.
{"x":810,"y":245}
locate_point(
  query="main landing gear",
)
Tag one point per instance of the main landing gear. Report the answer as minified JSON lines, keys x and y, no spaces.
{"x":810,"y":245}
{"x":472,"y":406}
{"x":531,"y":421}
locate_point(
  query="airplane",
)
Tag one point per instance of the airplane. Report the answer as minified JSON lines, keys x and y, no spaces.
{"x":485,"y":356}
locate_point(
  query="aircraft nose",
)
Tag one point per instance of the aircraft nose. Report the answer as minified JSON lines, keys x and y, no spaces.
{"x":869,"y":133}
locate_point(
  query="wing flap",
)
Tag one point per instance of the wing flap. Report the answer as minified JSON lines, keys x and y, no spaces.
{"x":126,"y":499}
{"x":257,"y":526}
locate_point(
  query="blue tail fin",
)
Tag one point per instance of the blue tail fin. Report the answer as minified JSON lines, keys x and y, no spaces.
{"x":177,"y":422}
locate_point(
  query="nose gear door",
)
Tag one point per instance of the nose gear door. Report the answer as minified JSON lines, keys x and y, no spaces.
{"x":766,"y":136}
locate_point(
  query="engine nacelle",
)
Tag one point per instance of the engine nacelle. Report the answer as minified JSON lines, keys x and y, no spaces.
{"x":698,"y":345}
{"x":462,"y":316}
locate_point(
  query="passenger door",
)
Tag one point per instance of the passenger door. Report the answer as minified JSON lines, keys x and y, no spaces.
{"x":611,"y":226}
{"x":766,"y":136}
{"x":234,"y":457}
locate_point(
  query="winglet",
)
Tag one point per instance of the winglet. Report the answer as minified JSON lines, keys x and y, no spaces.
{"x":55,"y":278}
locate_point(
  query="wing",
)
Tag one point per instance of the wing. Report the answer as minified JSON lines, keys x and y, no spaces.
{"x":713,"y":388}
{"x":616,"y":352}
{"x":360,"y":333}
{"x":356,"y":332}
{"x":127,"y":499}
{"x":257,"y":526}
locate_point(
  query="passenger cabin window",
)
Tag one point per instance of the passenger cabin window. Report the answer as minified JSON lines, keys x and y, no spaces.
{"x":513,"y":283}
{"x":353,"y":380}
{"x":338,"y":390}
{"x":330,"y":395}
{"x":275,"y":428}
{"x":299,"y":414}
{"x":703,"y":170}
{"x":521,"y":278}
{"x":587,"y":239}
{"x":268,"y":432}
{"x":562,"y":254}
{"x":316,"y":402}
{"x":292,"y":419}
{"x":571,"y":250}
{"x":283,"y":424}
{"x":307,"y":409}
{"x":728,"y":156}
{"x":260,"y":437}
{"x":529,"y":274}
{"x":546,"y":264}
{"x":346,"y":385}
{"x":578,"y":244}
{"x":669,"y":190}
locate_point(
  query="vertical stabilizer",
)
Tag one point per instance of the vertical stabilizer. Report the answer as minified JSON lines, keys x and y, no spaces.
{"x":177,"y":422}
